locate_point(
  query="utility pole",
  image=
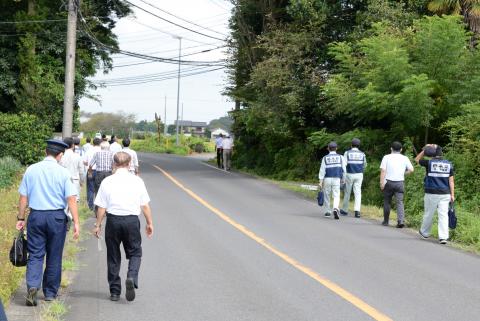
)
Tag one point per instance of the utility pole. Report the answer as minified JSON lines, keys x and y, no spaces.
{"x":70,"y":69}
{"x":178,"y":85}
{"x":165,"y":119}
{"x":181,"y":129}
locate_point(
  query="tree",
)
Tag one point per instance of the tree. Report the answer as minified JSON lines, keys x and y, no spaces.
{"x":469,"y":9}
{"x":119,"y":124}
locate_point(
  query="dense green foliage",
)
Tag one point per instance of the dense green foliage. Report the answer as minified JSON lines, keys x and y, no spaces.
{"x":9,"y":168}
{"x":167,"y":145}
{"x":304,"y":72}
{"x":23,"y":137}
{"x":32,"y":54}
{"x":119,"y":124}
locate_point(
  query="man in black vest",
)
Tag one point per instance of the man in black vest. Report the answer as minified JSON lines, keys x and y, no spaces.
{"x":439,"y":190}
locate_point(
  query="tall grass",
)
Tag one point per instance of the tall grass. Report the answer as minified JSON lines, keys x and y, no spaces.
{"x":9,"y":168}
{"x":167,"y":145}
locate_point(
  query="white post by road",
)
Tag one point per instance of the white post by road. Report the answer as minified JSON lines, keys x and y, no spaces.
{"x":178,"y":86}
{"x":70,"y":69}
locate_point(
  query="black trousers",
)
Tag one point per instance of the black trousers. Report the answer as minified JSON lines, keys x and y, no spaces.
{"x":220,"y":157}
{"x":122,"y":230}
{"x":99,"y":176}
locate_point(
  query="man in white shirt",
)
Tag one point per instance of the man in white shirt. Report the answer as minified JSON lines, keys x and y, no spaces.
{"x":123,"y":197}
{"x":331,"y":176}
{"x":218,"y":146}
{"x":87,"y":145}
{"x":73,"y":162}
{"x":134,"y":169}
{"x":394,"y":166}
{"x":114,"y":146}
{"x":227,"y":147}
{"x":87,"y":158}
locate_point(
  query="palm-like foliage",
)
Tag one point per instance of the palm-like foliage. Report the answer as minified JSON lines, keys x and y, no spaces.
{"x":469,"y":9}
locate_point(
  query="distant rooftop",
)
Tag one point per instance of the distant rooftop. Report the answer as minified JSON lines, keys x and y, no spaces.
{"x":189,"y":123}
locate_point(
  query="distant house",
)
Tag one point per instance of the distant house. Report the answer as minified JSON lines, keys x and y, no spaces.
{"x":217,"y":132}
{"x":195,"y":128}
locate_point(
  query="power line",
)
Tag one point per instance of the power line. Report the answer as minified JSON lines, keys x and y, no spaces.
{"x":173,"y":23}
{"x":152,"y":75}
{"x":32,"y":21}
{"x":179,"y":18}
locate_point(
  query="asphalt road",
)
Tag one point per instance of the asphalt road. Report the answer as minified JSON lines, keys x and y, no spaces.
{"x":230,"y":247}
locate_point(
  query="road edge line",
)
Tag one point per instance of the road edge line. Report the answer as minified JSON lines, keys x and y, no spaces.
{"x":332,"y":286}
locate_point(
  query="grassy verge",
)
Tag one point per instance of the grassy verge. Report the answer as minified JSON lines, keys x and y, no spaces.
{"x":10,"y":276}
{"x":167,"y":145}
{"x":466,"y":236}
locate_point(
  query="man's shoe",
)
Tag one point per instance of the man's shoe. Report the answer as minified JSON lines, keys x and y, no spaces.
{"x":114,"y":297}
{"x":422,"y":235}
{"x":357,"y":214}
{"x":344,"y":213}
{"x":443,"y":241}
{"x":130,"y":293}
{"x":328,"y":214}
{"x":31,"y":300}
{"x":385,"y":223}
{"x":400,"y":225}
{"x":335,"y":214}
{"x":49,"y":298}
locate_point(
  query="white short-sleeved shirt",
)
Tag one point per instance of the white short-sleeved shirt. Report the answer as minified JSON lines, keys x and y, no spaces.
{"x":134,"y":158}
{"x":122,"y":194}
{"x":227,"y":143}
{"x":395,"y":166}
{"x":115,"y":147}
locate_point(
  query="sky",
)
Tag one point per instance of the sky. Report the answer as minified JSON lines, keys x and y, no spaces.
{"x":201,"y":95}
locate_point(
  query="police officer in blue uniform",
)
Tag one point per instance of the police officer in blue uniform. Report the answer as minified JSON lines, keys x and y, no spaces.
{"x":439,"y":190}
{"x":47,"y":189}
{"x":356,"y":162}
{"x":331,"y":176}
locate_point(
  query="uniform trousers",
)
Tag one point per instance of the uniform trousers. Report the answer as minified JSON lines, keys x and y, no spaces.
{"x":220,"y":157}
{"x":438,"y":202}
{"x":123,"y":230}
{"x":3,"y":317}
{"x":46,"y":231}
{"x":331,"y":188}
{"x":227,"y":158}
{"x":353,"y":181}
{"x":91,"y":190}
{"x":393,"y":188}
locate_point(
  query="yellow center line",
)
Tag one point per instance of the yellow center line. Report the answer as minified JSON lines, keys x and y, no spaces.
{"x":356,"y":301}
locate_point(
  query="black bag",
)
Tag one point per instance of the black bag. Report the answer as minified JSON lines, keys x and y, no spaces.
{"x":452,"y":218}
{"x":18,"y":252}
{"x":320,"y":198}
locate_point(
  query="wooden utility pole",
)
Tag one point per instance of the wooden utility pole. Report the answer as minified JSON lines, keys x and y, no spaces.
{"x":70,"y":69}
{"x":158,"y":121}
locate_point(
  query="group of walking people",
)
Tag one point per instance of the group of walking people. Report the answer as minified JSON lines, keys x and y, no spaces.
{"x":49,"y":193}
{"x":337,"y":171}
{"x":224,"y":147}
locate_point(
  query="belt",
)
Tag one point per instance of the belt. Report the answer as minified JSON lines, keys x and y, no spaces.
{"x":56,"y":210}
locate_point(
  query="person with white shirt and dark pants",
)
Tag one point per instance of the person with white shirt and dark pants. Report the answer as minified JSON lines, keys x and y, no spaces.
{"x":393,"y":168}
{"x":122,"y":197}
{"x":331,"y":176}
{"x":219,"y":148}
{"x":227,"y":147}
{"x":73,"y":162}
{"x":356,"y":163}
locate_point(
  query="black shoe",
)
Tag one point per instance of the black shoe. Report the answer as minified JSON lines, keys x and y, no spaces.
{"x":385,"y":223}
{"x":400,"y":225}
{"x":344,"y":213}
{"x":328,"y":214}
{"x":114,"y":297}
{"x":335,"y":214}
{"x":357,"y":214}
{"x":424,"y":236}
{"x":49,"y":298}
{"x":442,"y":241}
{"x":31,"y":300}
{"x":130,"y":293}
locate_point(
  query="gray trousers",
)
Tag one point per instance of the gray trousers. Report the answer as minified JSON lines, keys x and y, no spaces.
{"x":438,"y":202}
{"x":227,"y":158}
{"x":353,"y":181}
{"x":331,"y":188}
{"x":393,"y":188}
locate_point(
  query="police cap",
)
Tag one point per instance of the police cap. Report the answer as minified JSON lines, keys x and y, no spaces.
{"x":332,"y":145}
{"x":356,"y":142}
{"x":56,"y":145}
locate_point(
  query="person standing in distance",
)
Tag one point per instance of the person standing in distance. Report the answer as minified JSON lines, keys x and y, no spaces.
{"x":331,"y":176}
{"x":439,"y":190}
{"x":219,"y":148}
{"x":393,"y":168}
{"x":122,"y":197}
{"x":73,"y":163}
{"x":47,"y":189}
{"x":114,"y":145}
{"x":87,"y":145}
{"x":134,"y":168}
{"x":227,"y":148}
{"x":91,"y":173}
{"x":356,"y":163}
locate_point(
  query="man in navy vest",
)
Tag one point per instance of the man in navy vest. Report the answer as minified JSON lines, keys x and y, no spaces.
{"x":356,"y":162}
{"x":331,"y":176}
{"x":439,"y":190}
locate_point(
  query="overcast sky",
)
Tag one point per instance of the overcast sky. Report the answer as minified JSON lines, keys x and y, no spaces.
{"x":144,"y":33}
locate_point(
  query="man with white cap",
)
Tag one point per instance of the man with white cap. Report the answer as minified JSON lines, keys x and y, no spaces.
{"x":356,"y":162}
{"x":331,"y":176}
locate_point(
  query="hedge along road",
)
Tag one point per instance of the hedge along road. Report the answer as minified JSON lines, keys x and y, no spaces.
{"x":230,"y":247}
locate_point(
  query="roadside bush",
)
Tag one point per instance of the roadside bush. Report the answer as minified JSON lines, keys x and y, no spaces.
{"x":23,"y":137}
{"x":9,"y":168}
